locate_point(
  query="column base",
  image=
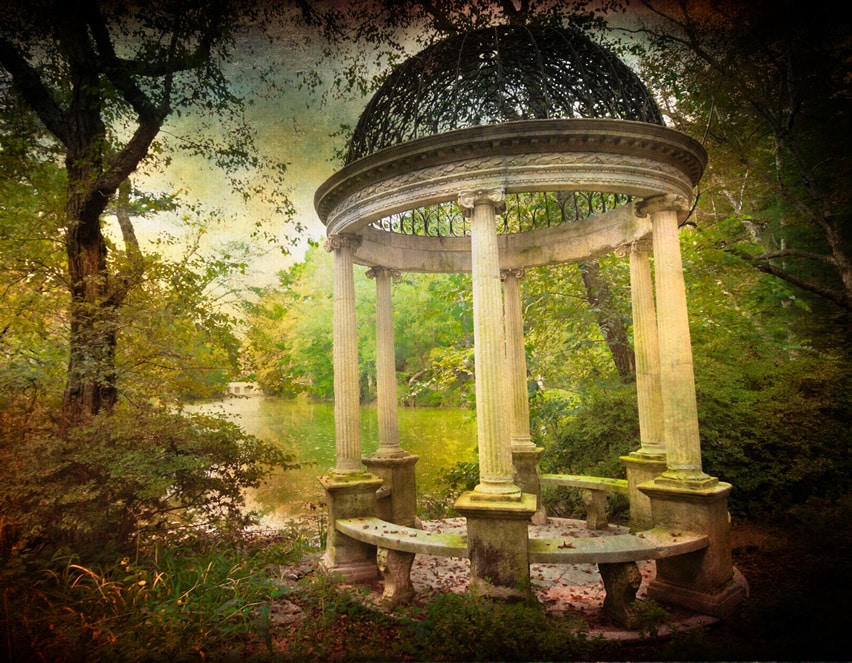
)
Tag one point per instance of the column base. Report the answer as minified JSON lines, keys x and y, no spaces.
{"x":686,"y":479}
{"x":641,"y":468}
{"x":720,"y":603}
{"x":704,"y":580}
{"x":527,"y":477}
{"x":397,"y":500}
{"x":497,"y":534}
{"x":349,"y":495}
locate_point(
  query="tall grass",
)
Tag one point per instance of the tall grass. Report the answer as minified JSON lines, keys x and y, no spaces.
{"x":185,"y":601}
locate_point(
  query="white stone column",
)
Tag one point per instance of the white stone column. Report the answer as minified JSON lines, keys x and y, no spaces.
{"x":677,"y":379}
{"x":385,"y":365}
{"x":525,"y":454}
{"x":516,"y":361}
{"x":647,"y":347}
{"x":492,"y":386}
{"x":347,"y":401}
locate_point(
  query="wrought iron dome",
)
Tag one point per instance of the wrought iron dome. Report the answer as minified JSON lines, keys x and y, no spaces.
{"x":500,"y":74}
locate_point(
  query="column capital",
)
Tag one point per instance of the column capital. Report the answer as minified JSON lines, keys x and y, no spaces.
{"x":518,"y":273}
{"x":642,"y":246}
{"x":469,"y":199}
{"x":665,"y":202}
{"x":375,"y":272}
{"x":342,"y":241}
{"x":645,"y":245}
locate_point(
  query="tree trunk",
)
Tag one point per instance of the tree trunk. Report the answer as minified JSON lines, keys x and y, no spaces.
{"x":611,"y":324}
{"x":91,"y":381}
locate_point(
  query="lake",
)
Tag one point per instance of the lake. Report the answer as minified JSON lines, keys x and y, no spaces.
{"x":441,"y":437}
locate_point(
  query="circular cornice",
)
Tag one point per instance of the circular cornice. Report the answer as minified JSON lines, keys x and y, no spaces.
{"x":614,"y":156}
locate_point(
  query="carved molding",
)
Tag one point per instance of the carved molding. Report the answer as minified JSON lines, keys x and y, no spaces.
{"x":535,"y":141}
{"x":375,"y":272}
{"x":663,"y":203}
{"x":519,"y":274}
{"x":642,"y":246}
{"x":537,"y":172}
{"x":342,"y":241}
{"x":470,"y":199}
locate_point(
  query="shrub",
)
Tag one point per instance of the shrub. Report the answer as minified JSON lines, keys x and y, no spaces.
{"x":185,"y":602}
{"x":127,"y":477}
{"x":467,"y":627}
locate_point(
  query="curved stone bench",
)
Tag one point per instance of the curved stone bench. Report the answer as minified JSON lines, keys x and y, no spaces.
{"x":616,"y":556}
{"x":404,"y":539}
{"x":594,"y":491}
{"x":617,"y":548}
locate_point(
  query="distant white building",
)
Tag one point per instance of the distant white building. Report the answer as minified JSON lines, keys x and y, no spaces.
{"x":244,"y":389}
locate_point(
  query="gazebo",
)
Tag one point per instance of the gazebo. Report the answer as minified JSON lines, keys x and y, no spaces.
{"x":491,"y":152}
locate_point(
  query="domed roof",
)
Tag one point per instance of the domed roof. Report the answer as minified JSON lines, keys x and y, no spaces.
{"x":500,"y":74}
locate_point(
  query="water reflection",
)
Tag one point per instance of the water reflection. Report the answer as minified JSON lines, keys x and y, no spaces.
{"x":441,"y":437}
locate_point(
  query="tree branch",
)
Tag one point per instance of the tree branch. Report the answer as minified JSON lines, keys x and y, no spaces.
{"x":831,"y":294}
{"x":34,"y":91}
{"x":796,"y":253}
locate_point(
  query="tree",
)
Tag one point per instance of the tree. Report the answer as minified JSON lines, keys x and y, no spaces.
{"x":765,"y":86}
{"x":102,"y":78}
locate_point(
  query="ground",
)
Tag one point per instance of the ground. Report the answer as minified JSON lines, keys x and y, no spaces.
{"x":798,"y":607}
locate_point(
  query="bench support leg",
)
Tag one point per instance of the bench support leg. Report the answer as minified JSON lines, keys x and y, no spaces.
{"x":595,"y":503}
{"x":622,"y":581}
{"x":395,"y":567}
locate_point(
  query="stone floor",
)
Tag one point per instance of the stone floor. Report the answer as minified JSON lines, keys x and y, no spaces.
{"x":559,"y":587}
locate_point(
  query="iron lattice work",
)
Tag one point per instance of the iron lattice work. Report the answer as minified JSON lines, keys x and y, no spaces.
{"x":500,"y":74}
{"x":524,"y":212}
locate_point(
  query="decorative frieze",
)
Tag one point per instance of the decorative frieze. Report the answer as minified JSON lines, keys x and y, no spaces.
{"x":553,"y":171}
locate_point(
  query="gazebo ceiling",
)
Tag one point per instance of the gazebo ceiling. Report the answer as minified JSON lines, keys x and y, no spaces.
{"x":500,"y":74}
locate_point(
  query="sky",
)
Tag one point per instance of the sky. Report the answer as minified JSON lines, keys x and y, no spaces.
{"x":294,"y":127}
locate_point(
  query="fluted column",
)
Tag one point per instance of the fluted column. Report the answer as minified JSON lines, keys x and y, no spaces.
{"x":677,"y":379}
{"x":516,"y":360}
{"x":385,"y":365}
{"x":495,"y":452}
{"x":525,"y":454}
{"x":347,"y":402}
{"x":647,"y":347}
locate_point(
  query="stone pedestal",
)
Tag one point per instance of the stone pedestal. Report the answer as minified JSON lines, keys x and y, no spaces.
{"x":497,"y":537}
{"x":528,"y":478}
{"x":349,"y":495}
{"x":704,"y":581}
{"x":641,"y":468}
{"x":397,"y":500}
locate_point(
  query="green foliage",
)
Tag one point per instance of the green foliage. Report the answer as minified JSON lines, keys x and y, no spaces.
{"x":341,"y":623}
{"x":592,"y":435}
{"x":777,"y":136}
{"x":177,"y":330}
{"x":291,"y":329}
{"x":650,"y":616}
{"x":777,"y":431}
{"x":455,"y":480}
{"x":185,"y":601}
{"x":467,"y":627}
{"x":129,"y":477}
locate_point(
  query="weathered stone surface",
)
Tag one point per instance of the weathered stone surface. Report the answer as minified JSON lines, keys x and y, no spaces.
{"x":622,"y":581}
{"x":395,"y":567}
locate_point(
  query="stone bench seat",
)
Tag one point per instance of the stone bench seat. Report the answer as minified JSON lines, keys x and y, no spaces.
{"x":616,"y":556}
{"x":594,"y":491}
{"x":614,"y":549}
{"x":404,"y":539}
